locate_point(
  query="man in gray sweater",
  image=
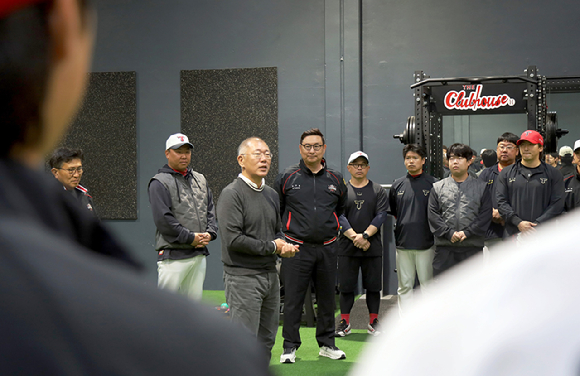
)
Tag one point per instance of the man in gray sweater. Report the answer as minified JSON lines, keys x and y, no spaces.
{"x":249,"y":216}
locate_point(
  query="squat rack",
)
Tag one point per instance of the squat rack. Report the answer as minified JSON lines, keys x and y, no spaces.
{"x":436,"y":97}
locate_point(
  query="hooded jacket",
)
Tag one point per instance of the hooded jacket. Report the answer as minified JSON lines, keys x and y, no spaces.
{"x":181,"y":206}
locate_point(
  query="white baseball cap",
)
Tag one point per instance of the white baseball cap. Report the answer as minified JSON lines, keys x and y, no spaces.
{"x":576,"y":145}
{"x":566,"y":150}
{"x":175,"y":141}
{"x":356,"y":155}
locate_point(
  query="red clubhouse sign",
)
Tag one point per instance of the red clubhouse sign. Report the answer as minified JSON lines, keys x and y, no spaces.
{"x":461,"y":100}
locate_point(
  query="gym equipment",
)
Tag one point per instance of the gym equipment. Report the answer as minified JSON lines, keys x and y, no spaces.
{"x":436,"y":97}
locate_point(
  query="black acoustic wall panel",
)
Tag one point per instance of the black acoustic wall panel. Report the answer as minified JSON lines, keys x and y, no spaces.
{"x":105,"y":129}
{"x":222,"y":107}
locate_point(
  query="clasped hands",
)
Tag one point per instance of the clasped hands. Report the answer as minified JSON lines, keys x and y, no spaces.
{"x":361,"y":242}
{"x":285,"y":249}
{"x":201,"y":240}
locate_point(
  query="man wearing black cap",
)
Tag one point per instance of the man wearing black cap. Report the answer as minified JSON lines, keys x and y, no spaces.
{"x":572,"y":182}
{"x":360,"y":247}
{"x":184,"y":215}
{"x":530,"y":191}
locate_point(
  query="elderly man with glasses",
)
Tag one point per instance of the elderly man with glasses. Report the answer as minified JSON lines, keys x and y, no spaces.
{"x":250,"y":229}
{"x":67,"y":167}
{"x":312,"y":197}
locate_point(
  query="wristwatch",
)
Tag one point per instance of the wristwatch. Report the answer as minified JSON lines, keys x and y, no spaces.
{"x":365,"y":235}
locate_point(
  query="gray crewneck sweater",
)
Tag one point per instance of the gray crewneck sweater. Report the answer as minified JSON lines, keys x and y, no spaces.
{"x":249,"y":221}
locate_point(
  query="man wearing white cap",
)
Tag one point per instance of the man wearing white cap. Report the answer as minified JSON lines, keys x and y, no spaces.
{"x":184,"y":215}
{"x":529,"y":192}
{"x":572,"y":182}
{"x":566,"y":156}
{"x":360,"y":247}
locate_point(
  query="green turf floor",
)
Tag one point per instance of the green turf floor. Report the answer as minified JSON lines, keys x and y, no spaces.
{"x":308,"y":362}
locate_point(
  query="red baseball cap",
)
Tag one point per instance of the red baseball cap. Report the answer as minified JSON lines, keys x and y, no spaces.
{"x":9,"y":6}
{"x":531,"y":136}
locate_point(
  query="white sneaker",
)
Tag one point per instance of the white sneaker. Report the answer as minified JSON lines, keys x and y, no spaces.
{"x":288,"y":356}
{"x":332,"y":352}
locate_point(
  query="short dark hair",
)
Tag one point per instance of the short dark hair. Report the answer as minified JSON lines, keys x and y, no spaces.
{"x":25,"y":63}
{"x":489,"y":157}
{"x":508,"y":137}
{"x":415,"y":149}
{"x":460,"y":150}
{"x":312,"y":132}
{"x":64,"y":155}
{"x":554,"y":155}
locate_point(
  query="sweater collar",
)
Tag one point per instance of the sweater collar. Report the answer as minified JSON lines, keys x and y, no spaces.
{"x":251,"y":184}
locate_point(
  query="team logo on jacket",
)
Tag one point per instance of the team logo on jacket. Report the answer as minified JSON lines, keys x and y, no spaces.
{"x":490,"y":181}
{"x":568,"y":190}
{"x":511,"y":180}
{"x":426,"y":192}
{"x":359,"y":203}
{"x":89,"y":207}
{"x":332,"y":188}
{"x":400,"y":193}
{"x":295,"y":186}
{"x":543,"y":180}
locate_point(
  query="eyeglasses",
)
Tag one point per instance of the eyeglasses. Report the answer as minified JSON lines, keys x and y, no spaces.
{"x":316,"y":147}
{"x":506,"y":147}
{"x":71,"y":171}
{"x":357,"y":165}
{"x":258,"y":155}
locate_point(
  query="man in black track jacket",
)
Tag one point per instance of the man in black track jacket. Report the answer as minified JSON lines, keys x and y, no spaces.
{"x":408,"y":202}
{"x":312,"y":197}
{"x":507,"y":151}
{"x":529,"y":192}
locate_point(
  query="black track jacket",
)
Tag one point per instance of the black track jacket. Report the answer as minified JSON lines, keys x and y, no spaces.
{"x":310,"y":204}
{"x":572,"y":184}
{"x":535,"y":199}
{"x":408,"y":202}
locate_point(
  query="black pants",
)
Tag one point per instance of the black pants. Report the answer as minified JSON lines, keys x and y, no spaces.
{"x":316,"y":263}
{"x":447,"y":257}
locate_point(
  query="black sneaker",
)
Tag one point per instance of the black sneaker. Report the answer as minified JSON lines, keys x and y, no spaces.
{"x":373,"y":328}
{"x":288,"y":356}
{"x":343,"y":329}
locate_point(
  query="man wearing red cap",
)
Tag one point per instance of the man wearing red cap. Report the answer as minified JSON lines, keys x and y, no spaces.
{"x":530,"y":191}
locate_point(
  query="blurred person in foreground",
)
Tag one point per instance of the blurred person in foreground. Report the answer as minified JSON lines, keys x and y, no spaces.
{"x":67,"y":310}
{"x":486,"y":321}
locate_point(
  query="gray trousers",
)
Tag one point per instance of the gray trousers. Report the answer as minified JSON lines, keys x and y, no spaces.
{"x":254,"y":301}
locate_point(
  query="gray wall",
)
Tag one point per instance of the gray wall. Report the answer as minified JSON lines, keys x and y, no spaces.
{"x":367,"y":92}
